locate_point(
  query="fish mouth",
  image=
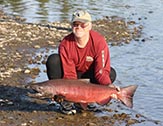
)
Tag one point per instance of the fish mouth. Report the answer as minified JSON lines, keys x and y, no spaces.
{"x":36,"y":94}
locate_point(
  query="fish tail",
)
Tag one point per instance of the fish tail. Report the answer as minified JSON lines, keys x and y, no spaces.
{"x":126,"y":95}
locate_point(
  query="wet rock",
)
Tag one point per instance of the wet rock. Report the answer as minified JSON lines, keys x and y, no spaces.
{"x":37,"y":47}
{"x":138,"y":115}
{"x":91,"y":124}
{"x":59,"y":118}
{"x":105,"y":117}
{"x":2,"y":122}
{"x":150,"y":12}
{"x":84,"y":114}
{"x":157,"y":122}
{"x":123,"y":116}
{"x":27,"y":71}
{"x":24,"y":124}
{"x":143,"y":40}
{"x":35,"y":71}
{"x":10,"y":103}
{"x":131,"y":121}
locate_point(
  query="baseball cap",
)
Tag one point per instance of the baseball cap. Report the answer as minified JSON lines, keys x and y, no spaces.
{"x":82,"y":16}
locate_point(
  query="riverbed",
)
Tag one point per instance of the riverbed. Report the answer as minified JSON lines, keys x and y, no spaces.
{"x":139,"y":62}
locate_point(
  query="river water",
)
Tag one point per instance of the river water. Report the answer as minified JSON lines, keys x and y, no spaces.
{"x":136,"y":63}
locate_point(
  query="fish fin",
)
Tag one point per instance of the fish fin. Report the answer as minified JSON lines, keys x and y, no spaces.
{"x":84,"y":105}
{"x":59,"y":98}
{"x":126,"y":95}
{"x":104,"y":101}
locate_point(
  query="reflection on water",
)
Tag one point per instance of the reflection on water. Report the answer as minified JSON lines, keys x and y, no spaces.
{"x":136,"y":63}
{"x":57,"y":10}
{"x":38,"y":10}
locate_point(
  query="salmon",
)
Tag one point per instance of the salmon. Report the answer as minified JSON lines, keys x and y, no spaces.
{"x":84,"y":92}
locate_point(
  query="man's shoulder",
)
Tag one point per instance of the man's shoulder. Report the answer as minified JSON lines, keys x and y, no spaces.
{"x":98,"y":41}
{"x":97,"y":38}
{"x":96,"y":34}
{"x":67,"y":39}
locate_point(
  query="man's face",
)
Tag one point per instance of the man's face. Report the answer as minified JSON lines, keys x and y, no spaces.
{"x":81,"y":29}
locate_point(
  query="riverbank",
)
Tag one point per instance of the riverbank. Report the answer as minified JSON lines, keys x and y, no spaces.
{"x":19,"y":41}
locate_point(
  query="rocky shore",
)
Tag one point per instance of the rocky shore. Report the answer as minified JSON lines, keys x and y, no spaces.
{"x":19,"y":41}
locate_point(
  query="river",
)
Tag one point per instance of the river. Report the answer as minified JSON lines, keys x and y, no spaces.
{"x":136,"y":63}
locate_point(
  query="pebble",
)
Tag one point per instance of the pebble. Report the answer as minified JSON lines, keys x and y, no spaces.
{"x":131,"y":121}
{"x":27,"y":71}
{"x":84,"y":114}
{"x":138,"y":115}
{"x":37,"y":47}
{"x":10,"y":103}
{"x":24,"y":124}
{"x":91,"y":124}
{"x":51,"y":42}
{"x":2,"y":122}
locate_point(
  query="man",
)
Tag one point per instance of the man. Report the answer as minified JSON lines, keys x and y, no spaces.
{"x":84,"y":53}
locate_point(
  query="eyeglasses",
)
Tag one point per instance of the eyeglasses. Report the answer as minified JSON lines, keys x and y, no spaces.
{"x":82,"y":25}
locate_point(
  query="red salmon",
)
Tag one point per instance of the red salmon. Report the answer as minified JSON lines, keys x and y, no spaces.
{"x":84,"y":92}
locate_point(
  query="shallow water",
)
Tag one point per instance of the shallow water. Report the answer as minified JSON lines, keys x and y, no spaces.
{"x":136,"y":63}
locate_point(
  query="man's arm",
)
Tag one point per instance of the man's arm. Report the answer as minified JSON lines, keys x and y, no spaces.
{"x":68,"y":65}
{"x":102,"y":64}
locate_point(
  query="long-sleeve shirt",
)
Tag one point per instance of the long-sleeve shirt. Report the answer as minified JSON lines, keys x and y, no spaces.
{"x":95,"y":53}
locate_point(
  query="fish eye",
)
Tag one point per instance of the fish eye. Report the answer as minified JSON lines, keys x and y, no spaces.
{"x":40,"y":87}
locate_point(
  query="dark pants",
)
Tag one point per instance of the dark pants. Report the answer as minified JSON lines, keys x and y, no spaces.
{"x":55,"y":71}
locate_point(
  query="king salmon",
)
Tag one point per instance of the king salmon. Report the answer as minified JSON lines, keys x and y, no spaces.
{"x":83,"y":92}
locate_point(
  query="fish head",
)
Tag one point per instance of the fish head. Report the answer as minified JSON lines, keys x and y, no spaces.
{"x":40,"y":91}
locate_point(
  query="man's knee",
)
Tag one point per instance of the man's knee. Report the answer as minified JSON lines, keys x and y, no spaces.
{"x":54,"y":67}
{"x":53,"y":59}
{"x":112,"y":74}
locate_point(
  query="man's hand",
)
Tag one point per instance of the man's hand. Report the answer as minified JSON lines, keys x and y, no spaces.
{"x":114,"y":96}
{"x":117,"y":88}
